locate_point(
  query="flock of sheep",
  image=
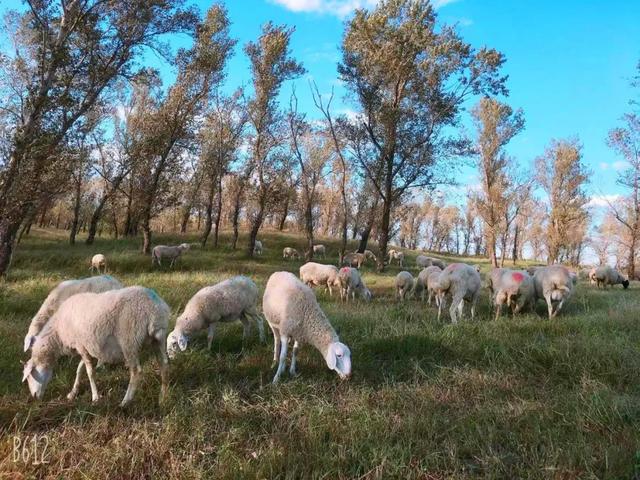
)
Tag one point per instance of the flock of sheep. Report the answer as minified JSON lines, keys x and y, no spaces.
{"x":100,"y":319}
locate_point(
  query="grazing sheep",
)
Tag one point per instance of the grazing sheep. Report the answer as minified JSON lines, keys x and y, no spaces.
{"x":606,"y":275}
{"x":395,"y":255}
{"x":58,"y":295}
{"x":422,"y":281}
{"x":554,"y":285}
{"x":98,"y":263}
{"x":233,"y":299}
{"x":317,"y":274}
{"x":170,"y":253}
{"x":290,"y":253}
{"x":422,"y":261}
{"x":257,"y":248}
{"x":110,"y":327}
{"x":320,"y":250}
{"x":433,"y":280}
{"x":513,"y":288}
{"x":293,"y":313}
{"x":404,"y":285}
{"x":351,"y":283}
{"x":462,"y":283}
{"x":532,"y":270}
{"x":494,"y":278}
{"x":592,"y":276}
{"x":354,"y":259}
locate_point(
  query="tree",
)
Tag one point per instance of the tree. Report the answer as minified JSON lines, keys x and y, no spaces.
{"x":563,"y":176}
{"x":65,"y":56}
{"x":410,"y":76}
{"x":271,"y":66}
{"x":496,"y":124}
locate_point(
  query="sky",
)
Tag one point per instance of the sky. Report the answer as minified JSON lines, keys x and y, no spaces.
{"x":569,"y":63}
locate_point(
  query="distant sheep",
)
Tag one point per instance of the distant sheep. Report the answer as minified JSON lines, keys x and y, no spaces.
{"x":422,"y":282}
{"x":58,"y":295}
{"x":606,"y":275}
{"x":232,"y":299}
{"x":554,"y":285}
{"x":395,"y":255}
{"x":293,"y":313}
{"x":290,"y":253}
{"x":98,"y":263}
{"x":422,"y":261}
{"x":592,"y":276}
{"x":461,"y":283}
{"x":257,"y":248}
{"x":111,"y":327}
{"x":317,"y":274}
{"x":351,"y":283}
{"x":170,"y":253}
{"x":320,"y":250}
{"x":404,"y":285}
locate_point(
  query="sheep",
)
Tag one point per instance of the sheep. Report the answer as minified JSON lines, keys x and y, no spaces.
{"x":592,"y":276}
{"x":422,"y":261}
{"x":532,"y":270}
{"x":606,"y":275}
{"x":290,"y":253}
{"x":421,"y":286}
{"x":110,"y":327}
{"x":554,"y":285}
{"x":293,"y":313}
{"x":351,"y":283}
{"x":354,"y":259}
{"x":320,"y":250}
{"x":257,"y":248}
{"x":233,"y":299}
{"x":513,"y":288}
{"x":395,"y":255}
{"x":98,"y":262}
{"x":494,"y":279}
{"x":404,"y":285}
{"x":171,"y":253}
{"x":462,"y":283}
{"x":58,"y":295}
{"x":433,"y":280}
{"x":317,"y":274}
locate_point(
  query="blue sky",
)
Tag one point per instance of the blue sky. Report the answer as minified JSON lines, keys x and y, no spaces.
{"x":569,"y":62}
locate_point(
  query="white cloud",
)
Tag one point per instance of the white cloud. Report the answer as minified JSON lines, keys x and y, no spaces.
{"x":603,"y":200}
{"x":619,"y":165}
{"x":339,"y":8}
{"x":604,"y":166}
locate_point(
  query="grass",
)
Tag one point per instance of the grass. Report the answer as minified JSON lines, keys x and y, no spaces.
{"x":521,"y":397}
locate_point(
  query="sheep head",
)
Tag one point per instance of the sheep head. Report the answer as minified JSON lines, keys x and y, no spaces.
{"x":338,"y":358}
{"x":37,"y":377}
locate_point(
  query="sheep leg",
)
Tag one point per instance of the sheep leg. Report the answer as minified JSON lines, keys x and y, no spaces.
{"x":76,"y":384}
{"x":86,"y":359}
{"x":498,"y":311}
{"x":260,"y":324}
{"x":455,"y":305}
{"x":441,"y":305}
{"x":210,"y":332}
{"x":474,"y":302}
{"x":292,"y":367}
{"x":134,"y":379}
{"x":276,"y":345}
{"x":547,"y":298}
{"x":284,"y":341}
{"x":164,"y":369}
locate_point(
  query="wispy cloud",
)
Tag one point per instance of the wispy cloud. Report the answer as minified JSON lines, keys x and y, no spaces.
{"x":603,"y":200}
{"x":339,"y":8}
{"x":620,"y":165}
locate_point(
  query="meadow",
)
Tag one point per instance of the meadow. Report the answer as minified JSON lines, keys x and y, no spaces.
{"x":521,"y":397}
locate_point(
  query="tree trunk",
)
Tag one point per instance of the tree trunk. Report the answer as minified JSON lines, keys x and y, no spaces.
{"x":308,"y":227}
{"x":631,"y":271}
{"x":146,"y":233}
{"x":115,"y":222}
{"x":255,"y":227}
{"x":216,"y":231}
{"x":364,"y":239}
{"x":514,"y":253}
{"x":95,"y":218}
{"x":285,"y":214}
{"x":208,"y":218}
{"x":76,"y":212}
{"x":235,"y":220}
{"x":384,"y":227}
{"x":8,"y":233}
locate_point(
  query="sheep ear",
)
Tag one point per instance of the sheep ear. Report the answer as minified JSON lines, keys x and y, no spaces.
{"x":331,"y":357}
{"x":28,"y":368}
{"x":28,"y":342}
{"x":182,"y":343}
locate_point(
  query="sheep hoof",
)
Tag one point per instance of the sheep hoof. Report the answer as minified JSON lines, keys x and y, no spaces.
{"x":95,"y":399}
{"x":72,"y":395}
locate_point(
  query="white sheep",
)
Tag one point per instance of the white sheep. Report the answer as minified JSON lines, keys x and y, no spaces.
{"x":606,"y":275}
{"x":422,"y":261}
{"x":351,"y":283}
{"x":293,"y":313}
{"x":513,"y":288}
{"x":320,"y":250}
{"x":290,"y":253}
{"x":354,"y":259}
{"x":592,"y":276}
{"x":233,"y":299}
{"x":433,"y":281}
{"x":258,"y":248}
{"x":421,"y":286}
{"x":58,"y":295}
{"x":395,"y":255}
{"x":318,"y":274}
{"x":98,"y":263}
{"x":110,"y":327}
{"x":404,"y":285}
{"x":554,"y":285}
{"x":460,"y":282}
{"x":170,"y":253}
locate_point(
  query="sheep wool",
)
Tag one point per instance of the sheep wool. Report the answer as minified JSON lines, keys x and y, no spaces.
{"x":606,"y":275}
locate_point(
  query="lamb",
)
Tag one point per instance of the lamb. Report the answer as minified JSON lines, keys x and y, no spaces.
{"x":351,"y":283}
{"x":98,"y":262}
{"x":290,"y":253}
{"x":110,"y":327}
{"x":605,"y":275}
{"x":317,"y":274}
{"x":513,"y":288}
{"x":257,"y":248}
{"x":170,"y":253}
{"x":320,"y":250}
{"x":554,"y":285}
{"x":354,"y":259}
{"x":233,"y":299}
{"x":422,"y":281}
{"x":422,"y":261}
{"x":462,"y":283}
{"x":396,"y":255}
{"x":58,"y":295}
{"x":404,"y":285}
{"x":293,"y":313}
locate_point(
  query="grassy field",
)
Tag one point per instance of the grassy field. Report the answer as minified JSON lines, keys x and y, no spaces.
{"x":522,"y":397}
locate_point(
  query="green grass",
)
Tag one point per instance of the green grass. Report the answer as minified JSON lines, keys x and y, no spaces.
{"x":522,"y":397}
